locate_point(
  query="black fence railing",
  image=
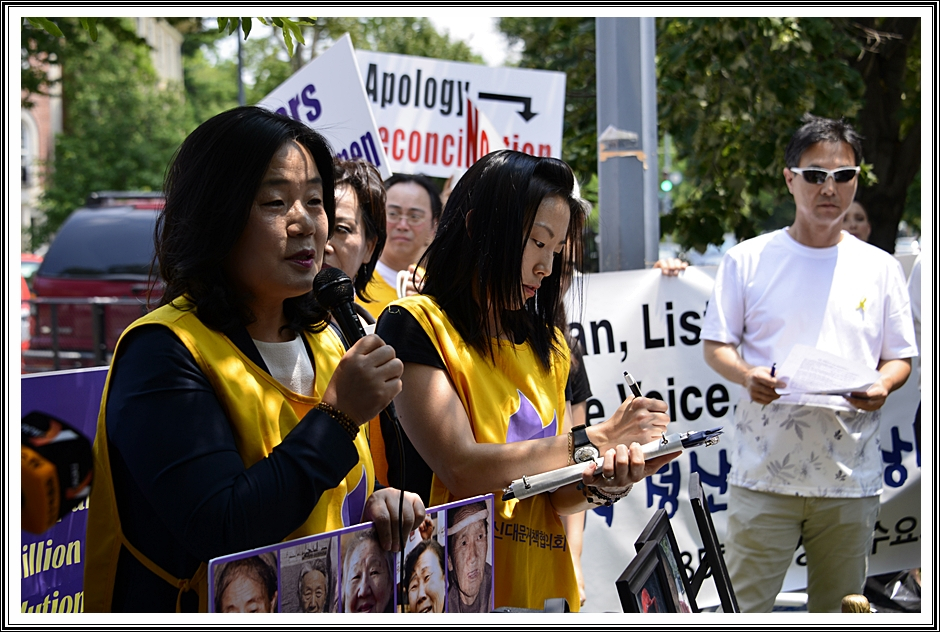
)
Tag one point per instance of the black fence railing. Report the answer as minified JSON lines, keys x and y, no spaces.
{"x":67,"y":333}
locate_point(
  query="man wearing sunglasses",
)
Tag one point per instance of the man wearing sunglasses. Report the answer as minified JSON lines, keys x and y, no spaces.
{"x":807,"y":468}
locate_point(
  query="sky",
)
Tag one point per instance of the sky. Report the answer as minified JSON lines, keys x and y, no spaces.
{"x":480,"y":33}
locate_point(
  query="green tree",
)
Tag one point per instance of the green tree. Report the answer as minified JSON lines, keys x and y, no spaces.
{"x":567,"y":45}
{"x":267,"y":62}
{"x":731,"y":91}
{"x":119,"y":128}
{"x":889,"y":64}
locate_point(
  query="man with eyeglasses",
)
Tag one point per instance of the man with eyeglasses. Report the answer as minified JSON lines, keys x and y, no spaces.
{"x":808,"y":467}
{"x":412,"y":210}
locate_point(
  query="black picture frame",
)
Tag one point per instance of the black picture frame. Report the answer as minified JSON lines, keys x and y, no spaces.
{"x":659,"y":530}
{"x":643,"y":586}
{"x":714,"y":559}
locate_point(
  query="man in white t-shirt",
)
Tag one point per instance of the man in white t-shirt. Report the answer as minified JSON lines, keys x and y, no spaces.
{"x":807,"y":467}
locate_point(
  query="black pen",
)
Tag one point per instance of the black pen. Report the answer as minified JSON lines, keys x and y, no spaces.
{"x":634,"y":388}
{"x":773,"y":370}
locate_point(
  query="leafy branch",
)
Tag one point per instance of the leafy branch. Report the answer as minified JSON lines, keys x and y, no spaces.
{"x":292,"y":29}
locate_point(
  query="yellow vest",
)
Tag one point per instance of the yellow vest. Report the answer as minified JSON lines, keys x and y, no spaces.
{"x":261,"y":411}
{"x":515,"y":399}
{"x":380,"y":293}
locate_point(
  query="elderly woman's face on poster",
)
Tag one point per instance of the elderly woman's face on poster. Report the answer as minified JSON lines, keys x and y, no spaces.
{"x":426,"y":584}
{"x":367,"y":584}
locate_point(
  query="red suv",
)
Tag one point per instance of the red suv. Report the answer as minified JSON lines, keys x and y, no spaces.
{"x":94,"y":280}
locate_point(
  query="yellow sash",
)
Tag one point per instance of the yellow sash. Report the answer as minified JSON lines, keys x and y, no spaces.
{"x":514,"y":398}
{"x":261,"y":412}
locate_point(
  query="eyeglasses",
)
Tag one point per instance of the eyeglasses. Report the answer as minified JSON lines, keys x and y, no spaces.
{"x":818,"y":175}
{"x":412,"y":217}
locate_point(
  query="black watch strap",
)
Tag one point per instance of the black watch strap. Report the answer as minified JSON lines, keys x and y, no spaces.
{"x":582,"y":448}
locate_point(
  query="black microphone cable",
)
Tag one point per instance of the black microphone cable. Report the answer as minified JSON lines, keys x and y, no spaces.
{"x":333,"y":290}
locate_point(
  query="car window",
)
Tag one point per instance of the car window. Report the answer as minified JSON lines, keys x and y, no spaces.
{"x":107,"y":243}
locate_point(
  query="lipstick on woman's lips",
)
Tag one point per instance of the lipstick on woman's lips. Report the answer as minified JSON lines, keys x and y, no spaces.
{"x":303,"y":258}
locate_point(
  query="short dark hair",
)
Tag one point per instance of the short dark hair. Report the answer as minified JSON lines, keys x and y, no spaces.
{"x":254,"y":568}
{"x":364,"y":179}
{"x":210,"y":187}
{"x":412,"y":559}
{"x":816,"y":129}
{"x":420,"y":179}
{"x":475,"y":260}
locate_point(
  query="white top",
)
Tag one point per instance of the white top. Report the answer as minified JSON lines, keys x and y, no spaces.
{"x":913,"y":289}
{"x":389,"y":275}
{"x":289,"y":364}
{"x":772,"y":293}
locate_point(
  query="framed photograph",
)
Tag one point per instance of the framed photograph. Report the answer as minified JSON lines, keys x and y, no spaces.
{"x":469,"y":548}
{"x":714,"y":560}
{"x":425,"y":571}
{"x":246,"y":583}
{"x":366,"y":573}
{"x":643,"y":585}
{"x":659,"y":530}
{"x":310,"y":577}
{"x":448,"y":567}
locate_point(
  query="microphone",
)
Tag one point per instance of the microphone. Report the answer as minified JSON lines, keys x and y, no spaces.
{"x":334,"y":291}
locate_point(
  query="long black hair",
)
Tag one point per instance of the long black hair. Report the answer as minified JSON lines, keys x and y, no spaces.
{"x":210,"y":187}
{"x":474,"y":265}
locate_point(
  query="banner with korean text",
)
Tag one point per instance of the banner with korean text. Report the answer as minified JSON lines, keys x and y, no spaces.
{"x":638,"y":321}
{"x":649,"y":325}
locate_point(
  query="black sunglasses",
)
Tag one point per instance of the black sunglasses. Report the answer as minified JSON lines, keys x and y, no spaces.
{"x":818,"y":175}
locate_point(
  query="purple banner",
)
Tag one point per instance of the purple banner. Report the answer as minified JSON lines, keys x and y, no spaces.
{"x":52,"y":563}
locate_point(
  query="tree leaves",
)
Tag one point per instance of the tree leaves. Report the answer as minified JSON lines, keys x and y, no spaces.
{"x":48,"y":25}
{"x":291,"y":29}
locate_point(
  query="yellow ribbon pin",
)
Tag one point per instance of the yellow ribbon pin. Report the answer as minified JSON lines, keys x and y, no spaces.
{"x":861,"y":304}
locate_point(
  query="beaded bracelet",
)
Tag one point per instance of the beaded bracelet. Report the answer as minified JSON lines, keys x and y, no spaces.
{"x":342,"y":418}
{"x":605,"y":500}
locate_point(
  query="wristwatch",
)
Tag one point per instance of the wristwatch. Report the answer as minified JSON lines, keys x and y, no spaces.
{"x":582,"y":448}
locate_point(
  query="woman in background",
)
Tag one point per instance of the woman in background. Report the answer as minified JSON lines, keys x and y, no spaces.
{"x":359,"y":235}
{"x":856,"y":221}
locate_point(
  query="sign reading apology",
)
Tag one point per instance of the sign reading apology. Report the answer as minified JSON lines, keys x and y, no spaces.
{"x":428,"y":111}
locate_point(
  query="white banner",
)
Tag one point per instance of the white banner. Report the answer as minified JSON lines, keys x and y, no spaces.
{"x":327,"y":94}
{"x":427,"y":110}
{"x":649,"y":325}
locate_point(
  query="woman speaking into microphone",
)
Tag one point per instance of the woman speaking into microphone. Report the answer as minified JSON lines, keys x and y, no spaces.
{"x":231,"y":414}
{"x":483,"y":395}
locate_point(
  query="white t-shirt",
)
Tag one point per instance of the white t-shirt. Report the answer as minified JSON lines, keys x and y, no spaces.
{"x":772,"y":293}
{"x":289,"y":364}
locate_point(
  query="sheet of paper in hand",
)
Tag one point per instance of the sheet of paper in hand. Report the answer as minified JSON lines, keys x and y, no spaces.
{"x":812,"y":371}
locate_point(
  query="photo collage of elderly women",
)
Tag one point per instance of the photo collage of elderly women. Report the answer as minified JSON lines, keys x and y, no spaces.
{"x":448,"y":567}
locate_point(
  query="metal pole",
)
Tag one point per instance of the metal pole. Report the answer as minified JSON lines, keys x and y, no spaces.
{"x":54,"y":322}
{"x":628,"y":161}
